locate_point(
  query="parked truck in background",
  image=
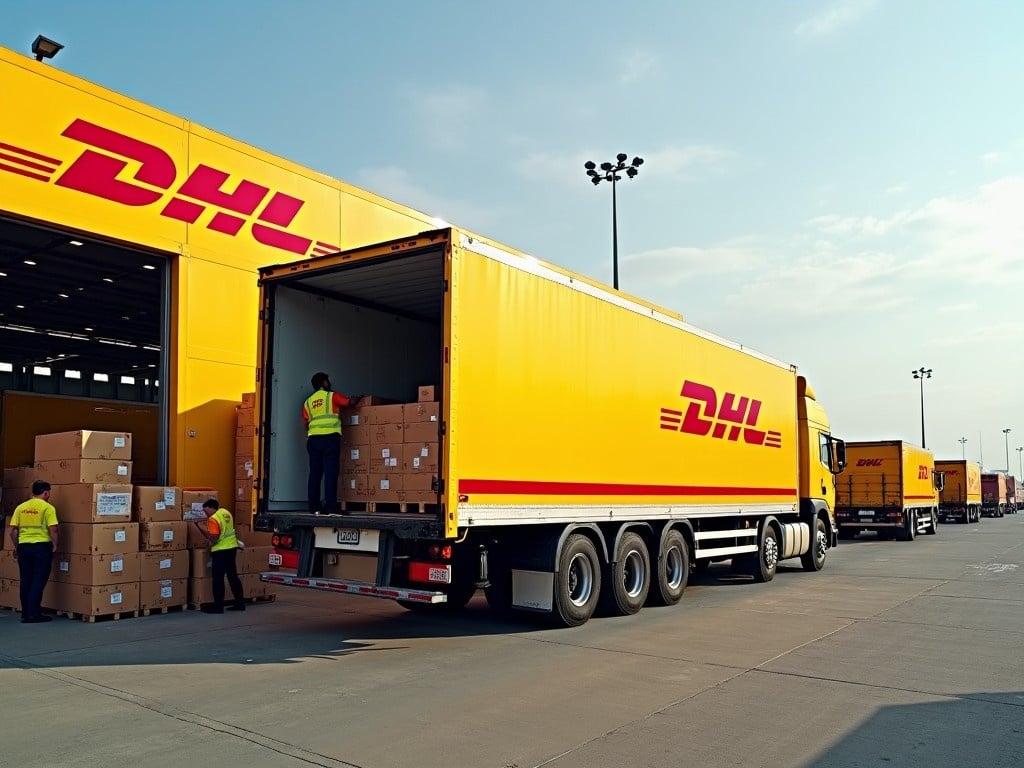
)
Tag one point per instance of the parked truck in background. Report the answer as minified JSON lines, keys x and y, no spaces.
{"x":590,"y":446}
{"x":1013,"y":492}
{"x":993,"y":494}
{"x":889,"y":486}
{"x":960,"y":497}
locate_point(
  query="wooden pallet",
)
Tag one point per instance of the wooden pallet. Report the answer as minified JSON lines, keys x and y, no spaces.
{"x":405,"y":507}
{"x":91,"y":619}
{"x":162,"y":609}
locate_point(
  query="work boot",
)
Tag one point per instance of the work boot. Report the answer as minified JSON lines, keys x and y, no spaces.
{"x":237,"y":607}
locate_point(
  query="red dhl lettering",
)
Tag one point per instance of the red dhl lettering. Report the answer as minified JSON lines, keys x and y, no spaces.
{"x":923,"y":472}
{"x":869,"y":462}
{"x":729,"y":418}
{"x":265,"y":215}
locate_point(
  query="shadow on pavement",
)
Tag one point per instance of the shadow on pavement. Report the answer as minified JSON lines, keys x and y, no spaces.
{"x":974,"y":729}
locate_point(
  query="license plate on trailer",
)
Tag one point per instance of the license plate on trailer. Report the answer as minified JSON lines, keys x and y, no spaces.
{"x":869,"y":513}
{"x":348,"y":536}
{"x":438,"y":574}
{"x":274,"y":559}
{"x":429,"y":573}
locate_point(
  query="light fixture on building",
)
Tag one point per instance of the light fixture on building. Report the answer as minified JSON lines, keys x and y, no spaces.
{"x":45,"y":48}
{"x":75,"y":243}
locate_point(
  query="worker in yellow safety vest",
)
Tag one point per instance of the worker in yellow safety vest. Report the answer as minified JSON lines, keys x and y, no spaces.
{"x":33,"y":531}
{"x":224,"y":546}
{"x":321,"y":416}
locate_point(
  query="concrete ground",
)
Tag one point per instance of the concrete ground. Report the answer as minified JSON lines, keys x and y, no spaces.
{"x":897,"y":654}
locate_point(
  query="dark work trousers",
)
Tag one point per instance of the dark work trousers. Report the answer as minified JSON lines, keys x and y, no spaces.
{"x":223,"y":562}
{"x":324,"y":464}
{"x":34,"y":563}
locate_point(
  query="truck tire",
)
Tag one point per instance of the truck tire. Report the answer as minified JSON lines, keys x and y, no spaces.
{"x":628,"y":579}
{"x":577,"y":582}
{"x":673,"y":571}
{"x":765,"y":562}
{"x":933,"y":526}
{"x":814,"y":558}
{"x":909,"y":529}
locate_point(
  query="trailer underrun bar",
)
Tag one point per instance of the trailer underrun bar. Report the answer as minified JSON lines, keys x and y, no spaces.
{"x":355,"y":588}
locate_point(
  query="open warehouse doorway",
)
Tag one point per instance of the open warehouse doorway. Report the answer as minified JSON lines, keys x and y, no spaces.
{"x":84,"y":342}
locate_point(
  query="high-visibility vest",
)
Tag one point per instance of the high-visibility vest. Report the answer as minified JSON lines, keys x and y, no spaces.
{"x":321,"y":419}
{"x":227,"y":538}
{"x":33,"y":509}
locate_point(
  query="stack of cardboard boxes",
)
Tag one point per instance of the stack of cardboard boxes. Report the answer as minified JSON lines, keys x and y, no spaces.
{"x":163,"y":547}
{"x":245,"y":450}
{"x":96,"y":567}
{"x":390,"y":452}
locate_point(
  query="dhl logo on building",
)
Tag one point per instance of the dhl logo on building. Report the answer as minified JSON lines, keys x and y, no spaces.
{"x":726,"y":419}
{"x":263,"y":214}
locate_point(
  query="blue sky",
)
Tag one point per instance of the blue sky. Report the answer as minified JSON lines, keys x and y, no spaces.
{"x":837,"y":184}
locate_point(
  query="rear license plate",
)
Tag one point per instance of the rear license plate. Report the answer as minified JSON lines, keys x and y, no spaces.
{"x":438,"y":574}
{"x":274,"y":559}
{"x":348,"y":536}
{"x":868,"y":513}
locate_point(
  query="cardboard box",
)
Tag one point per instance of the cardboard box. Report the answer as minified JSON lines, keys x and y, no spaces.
{"x":385,"y":414}
{"x":418,"y":481}
{"x":351,"y":566}
{"x":163,"y":536}
{"x":97,"y":600}
{"x":427,"y":394}
{"x":354,"y":487}
{"x":245,"y":447}
{"x":98,"y":538}
{"x":245,"y":430}
{"x":243,"y":492}
{"x":156,"y":503}
{"x":163,"y":593}
{"x":253,"y":559}
{"x":244,"y":468}
{"x":84,"y":444}
{"x":194,"y":538}
{"x":8,"y":565}
{"x":414,"y":413}
{"x":421,"y":432}
{"x":199,"y":564}
{"x":5,"y":541}
{"x":355,"y":459}
{"x":192,"y":500}
{"x":120,"y":568}
{"x":10,"y":594}
{"x":12,"y":497}
{"x":19,"y":477}
{"x":92,"y":502}
{"x":420,"y":457}
{"x":154,"y":566}
{"x":74,"y":471}
{"x":386,"y":459}
{"x":200,"y":591}
{"x":249,"y":400}
{"x":382,"y":435}
{"x":245,"y":417}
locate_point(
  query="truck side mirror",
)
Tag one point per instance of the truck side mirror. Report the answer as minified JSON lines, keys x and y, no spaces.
{"x":838,"y":456}
{"x":939,"y":480}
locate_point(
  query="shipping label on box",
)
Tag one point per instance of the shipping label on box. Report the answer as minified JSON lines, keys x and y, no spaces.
{"x":415,"y":413}
{"x":155,"y":504}
{"x":98,"y":538}
{"x":243,"y":468}
{"x":385,"y":459}
{"x":162,"y":593}
{"x":118,"y":568}
{"x":161,"y":536}
{"x":92,"y":502}
{"x":427,"y":394}
{"x":73,"y":471}
{"x":84,"y":444}
{"x":421,"y":432}
{"x":354,"y":487}
{"x":192,"y":500}
{"x":253,"y":559}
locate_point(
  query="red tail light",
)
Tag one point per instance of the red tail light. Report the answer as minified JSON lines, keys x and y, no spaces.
{"x":434,"y":551}
{"x":286,"y":542}
{"x":446,"y":552}
{"x":275,"y":540}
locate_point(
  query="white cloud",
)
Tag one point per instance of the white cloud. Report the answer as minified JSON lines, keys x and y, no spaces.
{"x":635,"y":66}
{"x":990,"y":158}
{"x":896,"y":189}
{"x":841,"y":14}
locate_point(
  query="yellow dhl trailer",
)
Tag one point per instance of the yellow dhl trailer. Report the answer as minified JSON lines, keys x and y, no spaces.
{"x":960,"y":498}
{"x":889,"y":486}
{"x":590,"y":446}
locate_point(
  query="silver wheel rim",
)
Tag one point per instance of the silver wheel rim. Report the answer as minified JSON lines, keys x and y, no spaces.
{"x":821,"y":546}
{"x":634,"y":574}
{"x":673,"y":568}
{"x":771,"y":552}
{"x":581,"y":579}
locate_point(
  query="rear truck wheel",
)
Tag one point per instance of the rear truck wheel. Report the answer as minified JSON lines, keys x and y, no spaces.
{"x":628,"y":579}
{"x":577,"y":581}
{"x":909,"y":529}
{"x":673,"y":571}
{"x":933,"y":526}
{"x":765,"y":562}
{"x":814,"y":558}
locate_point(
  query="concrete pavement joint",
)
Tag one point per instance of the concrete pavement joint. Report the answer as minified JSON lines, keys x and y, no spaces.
{"x":191,"y":718}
